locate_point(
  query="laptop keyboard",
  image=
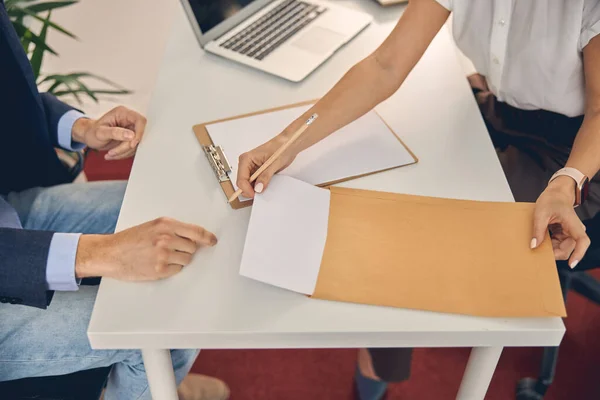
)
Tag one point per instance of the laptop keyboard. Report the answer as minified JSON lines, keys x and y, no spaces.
{"x":273,"y":29}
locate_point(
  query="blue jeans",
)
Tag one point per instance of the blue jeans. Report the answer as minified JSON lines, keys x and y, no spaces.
{"x":36,"y":342}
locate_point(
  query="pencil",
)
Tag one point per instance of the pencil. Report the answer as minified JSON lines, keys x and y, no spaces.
{"x":277,"y":153}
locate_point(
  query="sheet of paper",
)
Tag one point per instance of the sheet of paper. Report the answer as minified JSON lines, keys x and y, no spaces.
{"x":367,"y":145}
{"x":287,"y":234}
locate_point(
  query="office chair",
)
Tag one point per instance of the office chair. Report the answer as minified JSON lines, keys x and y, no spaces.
{"x":581,"y":282}
{"x":82,"y":385}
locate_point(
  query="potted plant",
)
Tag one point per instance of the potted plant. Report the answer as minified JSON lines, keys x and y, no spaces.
{"x":24,"y":14}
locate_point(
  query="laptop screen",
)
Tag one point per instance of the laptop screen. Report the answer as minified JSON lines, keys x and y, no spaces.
{"x":210,"y":13}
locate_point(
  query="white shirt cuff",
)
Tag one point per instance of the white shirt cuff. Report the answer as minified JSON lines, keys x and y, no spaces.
{"x":65,"y":130}
{"x":60,"y":267}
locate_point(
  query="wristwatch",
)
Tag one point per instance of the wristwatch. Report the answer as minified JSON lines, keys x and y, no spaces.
{"x":581,"y":183}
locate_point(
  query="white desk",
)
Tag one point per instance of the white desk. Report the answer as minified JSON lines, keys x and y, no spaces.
{"x":209,"y":305}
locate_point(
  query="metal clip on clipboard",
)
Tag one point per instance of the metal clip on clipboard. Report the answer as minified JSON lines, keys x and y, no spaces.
{"x":218,"y":161}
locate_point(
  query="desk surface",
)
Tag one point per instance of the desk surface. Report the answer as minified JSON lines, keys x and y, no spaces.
{"x":209,"y":305}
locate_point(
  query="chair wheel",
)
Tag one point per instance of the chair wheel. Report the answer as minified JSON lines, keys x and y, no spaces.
{"x":526,"y":390}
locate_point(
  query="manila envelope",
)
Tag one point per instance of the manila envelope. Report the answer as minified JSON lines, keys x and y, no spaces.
{"x":396,"y":250}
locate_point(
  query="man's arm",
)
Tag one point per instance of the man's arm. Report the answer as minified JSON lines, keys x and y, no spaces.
{"x":60,"y":263}
{"x":154,"y":250}
{"x":23,"y":256}
{"x":60,"y":118}
{"x":44,"y":260}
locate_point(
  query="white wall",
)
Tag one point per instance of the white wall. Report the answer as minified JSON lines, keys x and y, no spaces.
{"x":122,"y":40}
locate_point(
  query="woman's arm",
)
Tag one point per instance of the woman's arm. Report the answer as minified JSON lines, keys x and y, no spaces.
{"x":365,"y":85}
{"x":555,"y":204}
{"x":585,"y":155}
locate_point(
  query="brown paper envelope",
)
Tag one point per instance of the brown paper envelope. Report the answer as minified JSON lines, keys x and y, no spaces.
{"x":443,"y":255}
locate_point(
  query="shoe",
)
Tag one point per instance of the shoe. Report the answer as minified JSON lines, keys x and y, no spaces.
{"x":202,"y":387}
{"x":367,"y":388}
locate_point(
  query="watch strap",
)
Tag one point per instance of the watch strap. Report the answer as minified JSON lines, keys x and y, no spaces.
{"x":579,"y":178}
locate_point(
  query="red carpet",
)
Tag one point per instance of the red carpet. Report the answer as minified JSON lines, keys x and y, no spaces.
{"x":436,"y":373}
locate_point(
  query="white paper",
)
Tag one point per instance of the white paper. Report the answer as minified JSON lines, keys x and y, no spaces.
{"x":366,"y":145}
{"x":287,"y":233}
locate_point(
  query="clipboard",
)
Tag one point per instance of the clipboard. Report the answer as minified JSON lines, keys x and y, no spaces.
{"x":217,"y":157}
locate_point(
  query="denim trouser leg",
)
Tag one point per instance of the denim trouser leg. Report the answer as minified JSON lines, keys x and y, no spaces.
{"x":36,"y":342}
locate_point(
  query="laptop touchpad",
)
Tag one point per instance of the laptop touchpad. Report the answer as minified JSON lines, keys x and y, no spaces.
{"x":319,"y":40}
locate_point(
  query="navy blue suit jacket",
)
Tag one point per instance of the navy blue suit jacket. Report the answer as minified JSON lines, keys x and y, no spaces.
{"x":28,"y":137}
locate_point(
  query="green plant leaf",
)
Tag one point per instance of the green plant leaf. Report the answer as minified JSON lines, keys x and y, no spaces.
{"x":27,"y":11}
{"x":19,"y":27}
{"x":84,"y":89}
{"x":59,"y":93}
{"x":59,"y":84}
{"x":26,"y":42}
{"x":77,"y":75}
{"x":52,"y":87}
{"x":51,"y":5}
{"x":75,"y":86}
{"x":38,"y":53}
{"x":22,"y":31}
{"x":12,"y":3}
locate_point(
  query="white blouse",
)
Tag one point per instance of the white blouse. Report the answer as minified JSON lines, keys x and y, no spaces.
{"x":530,"y":51}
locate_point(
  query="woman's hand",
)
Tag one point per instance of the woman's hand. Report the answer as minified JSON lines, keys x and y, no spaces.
{"x":554,"y":210}
{"x":251,"y":161}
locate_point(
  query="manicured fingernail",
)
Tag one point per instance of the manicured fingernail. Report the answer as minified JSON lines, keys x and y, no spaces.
{"x":129,"y":135}
{"x":533,"y":243}
{"x":259,"y":187}
{"x":213,"y":240}
{"x":574,"y":264}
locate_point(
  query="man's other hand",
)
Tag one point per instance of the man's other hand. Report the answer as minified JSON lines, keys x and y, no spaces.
{"x":119,"y":131}
{"x":155,"y":250}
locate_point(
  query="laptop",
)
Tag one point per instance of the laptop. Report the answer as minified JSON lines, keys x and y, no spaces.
{"x":287,"y":38}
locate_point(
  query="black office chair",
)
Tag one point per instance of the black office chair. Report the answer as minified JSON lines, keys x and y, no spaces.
{"x":584,"y":284}
{"x":82,"y":385}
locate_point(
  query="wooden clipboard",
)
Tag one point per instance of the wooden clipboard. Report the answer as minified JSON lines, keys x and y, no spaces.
{"x":217,"y":161}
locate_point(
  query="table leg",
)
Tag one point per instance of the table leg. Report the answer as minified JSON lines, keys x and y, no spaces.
{"x":478,"y":374}
{"x":161,"y":377}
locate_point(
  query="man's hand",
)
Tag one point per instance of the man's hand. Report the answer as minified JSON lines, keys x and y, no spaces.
{"x":554,"y":210}
{"x":120,"y":131}
{"x":151,"y":251}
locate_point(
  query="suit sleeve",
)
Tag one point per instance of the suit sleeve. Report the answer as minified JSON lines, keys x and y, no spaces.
{"x":54,"y":110}
{"x":23,"y":260}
